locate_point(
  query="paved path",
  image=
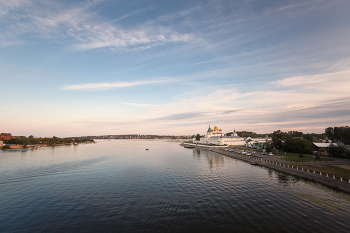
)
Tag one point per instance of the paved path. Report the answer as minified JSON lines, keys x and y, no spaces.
{"x":283,"y":166}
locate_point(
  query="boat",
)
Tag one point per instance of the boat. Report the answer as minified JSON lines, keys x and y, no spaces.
{"x":189,"y":146}
{"x":146,"y":149}
{"x":253,"y":163}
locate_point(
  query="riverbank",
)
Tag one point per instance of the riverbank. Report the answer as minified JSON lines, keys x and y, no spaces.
{"x":36,"y":146}
{"x":203,"y":145}
{"x":329,"y":180}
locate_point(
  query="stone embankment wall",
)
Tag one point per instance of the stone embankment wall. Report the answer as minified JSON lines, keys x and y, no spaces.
{"x":336,"y":183}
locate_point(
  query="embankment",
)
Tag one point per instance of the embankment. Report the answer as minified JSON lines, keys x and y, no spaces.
{"x":335,"y":183}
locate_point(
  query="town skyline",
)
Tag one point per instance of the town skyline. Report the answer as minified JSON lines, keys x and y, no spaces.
{"x":74,"y":68}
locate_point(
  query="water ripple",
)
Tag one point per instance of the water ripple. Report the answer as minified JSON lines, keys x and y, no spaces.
{"x":166,"y":189}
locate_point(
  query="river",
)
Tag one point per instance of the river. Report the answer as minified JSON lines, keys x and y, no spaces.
{"x":119,"y":186}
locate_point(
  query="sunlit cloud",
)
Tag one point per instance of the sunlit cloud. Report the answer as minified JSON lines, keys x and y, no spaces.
{"x":239,"y":65}
{"x":322,"y":79}
{"x":107,"y":86}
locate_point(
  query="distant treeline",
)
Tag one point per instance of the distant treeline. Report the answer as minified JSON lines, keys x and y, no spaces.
{"x":293,"y":141}
{"x":339,"y":134}
{"x":249,"y":134}
{"x":136,"y":136}
{"x":49,"y":141}
{"x":297,"y":142}
{"x":291,"y":133}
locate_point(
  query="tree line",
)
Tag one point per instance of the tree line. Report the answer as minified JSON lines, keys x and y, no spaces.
{"x":249,"y":134}
{"x":293,"y":141}
{"x":339,"y":134}
{"x":49,"y":141}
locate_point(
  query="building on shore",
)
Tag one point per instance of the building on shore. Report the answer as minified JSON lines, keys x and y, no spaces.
{"x":323,"y":147}
{"x":6,"y":136}
{"x":2,"y":144}
{"x":258,"y":142}
{"x":216,"y":137}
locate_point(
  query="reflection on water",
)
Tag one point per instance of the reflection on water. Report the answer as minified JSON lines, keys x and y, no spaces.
{"x":214,"y":160}
{"x":118,"y":186}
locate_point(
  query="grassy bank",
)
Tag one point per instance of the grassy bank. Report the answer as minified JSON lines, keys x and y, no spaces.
{"x":336,"y":170}
{"x":306,"y":158}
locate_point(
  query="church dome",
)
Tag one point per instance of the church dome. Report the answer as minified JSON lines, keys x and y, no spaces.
{"x":209,"y":130}
{"x":216,"y":128}
{"x":220,"y":129}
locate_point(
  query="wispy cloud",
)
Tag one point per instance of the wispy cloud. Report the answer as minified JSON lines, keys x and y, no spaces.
{"x":80,"y":24}
{"x":181,"y":116}
{"x":334,"y":81}
{"x":107,"y":86}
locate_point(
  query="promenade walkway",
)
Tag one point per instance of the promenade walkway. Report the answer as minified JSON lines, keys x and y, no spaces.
{"x":271,"y":162}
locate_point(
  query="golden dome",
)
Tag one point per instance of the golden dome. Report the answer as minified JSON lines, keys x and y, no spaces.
{"x":220,"y":129}
{"x":216,"y":128}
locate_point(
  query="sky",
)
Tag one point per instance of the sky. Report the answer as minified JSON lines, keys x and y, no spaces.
{"x":74,"y":68}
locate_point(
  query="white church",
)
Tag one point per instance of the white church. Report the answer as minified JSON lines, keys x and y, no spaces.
{"x":216,"y":137}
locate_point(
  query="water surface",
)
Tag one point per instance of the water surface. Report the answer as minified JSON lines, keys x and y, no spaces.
{"x":118,"y":186}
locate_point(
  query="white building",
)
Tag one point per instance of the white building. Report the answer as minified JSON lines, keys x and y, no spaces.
{"x":256,"y":142}
{"x":2,"y":144}
{"x":216,"y":137}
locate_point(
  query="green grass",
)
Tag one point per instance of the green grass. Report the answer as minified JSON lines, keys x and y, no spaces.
{"x":330,"y":206}
{"x":328,"y":169}
{"x":306,"y":158}
{"x":283,"y":154}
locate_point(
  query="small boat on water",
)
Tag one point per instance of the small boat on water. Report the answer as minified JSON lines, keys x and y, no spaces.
{"x":189,"y":146}
{"x":253,"y":163}
{"x":146,"y":149}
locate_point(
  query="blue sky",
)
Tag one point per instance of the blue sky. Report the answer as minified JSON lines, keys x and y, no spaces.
{"x":71,"y":68}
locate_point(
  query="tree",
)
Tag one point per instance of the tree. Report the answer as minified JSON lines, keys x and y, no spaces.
{"x":278,"y":137}
{"x":25,"y":142}
{"x":296,"y":133}
{"x":298,"y":145}
{"x":330,"y":133}
{"x":335,"y":151}
{"x":301,"y":155}
{"x":341,"y":134}
{"x":248,"y":134}
{"x":308,"y":137}
{"x":198,"y":137}
{"x":268,"y":147}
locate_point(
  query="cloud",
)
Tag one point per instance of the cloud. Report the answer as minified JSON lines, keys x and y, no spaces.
{"x":230,"y":111}
{"x":327,"y":78}
{"x":6,"y":6}
{"x":107,"y":86}
{"x":181,"y":116}
{"x":81,"y":28}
